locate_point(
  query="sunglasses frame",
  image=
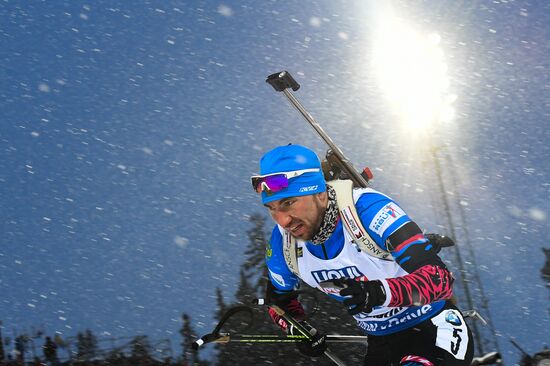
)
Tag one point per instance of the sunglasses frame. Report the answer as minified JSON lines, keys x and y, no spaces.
{"x":288,"y":175}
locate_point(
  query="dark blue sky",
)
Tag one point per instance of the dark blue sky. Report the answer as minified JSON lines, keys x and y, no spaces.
{"x":129,"y":132}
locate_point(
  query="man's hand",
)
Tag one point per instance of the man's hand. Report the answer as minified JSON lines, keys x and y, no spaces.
{"x":439,"y":241}
{"x":362,"y":296}
{"x":314,"y":347}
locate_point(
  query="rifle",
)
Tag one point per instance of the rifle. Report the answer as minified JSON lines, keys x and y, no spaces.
{"x":336,"y":165}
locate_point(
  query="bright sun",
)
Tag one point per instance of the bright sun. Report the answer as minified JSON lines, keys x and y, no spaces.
{"x":413,"y":75}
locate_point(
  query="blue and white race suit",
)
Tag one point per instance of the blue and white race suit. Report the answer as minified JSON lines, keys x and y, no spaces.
{"x":339,"y":257}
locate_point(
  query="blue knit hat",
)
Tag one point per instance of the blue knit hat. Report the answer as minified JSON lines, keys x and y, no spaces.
{"x":290,"y":158}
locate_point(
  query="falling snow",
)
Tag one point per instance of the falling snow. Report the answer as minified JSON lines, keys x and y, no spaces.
{"x":129,"y":134}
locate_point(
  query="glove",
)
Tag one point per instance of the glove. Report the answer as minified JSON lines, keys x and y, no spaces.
{"x":439,"y":241}
{"x":314,"y":347}
{"x":288,"y":301}
{"x":362,"y":296}
{"x":294,"y":308}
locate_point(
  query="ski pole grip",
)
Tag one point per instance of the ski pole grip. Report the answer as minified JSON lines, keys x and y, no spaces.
{"x":282,"y":80}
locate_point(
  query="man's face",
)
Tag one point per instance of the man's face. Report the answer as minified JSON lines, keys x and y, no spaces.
{"x":300,"y":216}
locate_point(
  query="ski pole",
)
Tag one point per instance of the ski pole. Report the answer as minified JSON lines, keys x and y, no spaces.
{"x":217,"y":336}
{"x":281,"y":82}
{"x":474,"y":315}
{"x":487,"y":359}
{"x":245,"y":338}
{"x":268,"y":338}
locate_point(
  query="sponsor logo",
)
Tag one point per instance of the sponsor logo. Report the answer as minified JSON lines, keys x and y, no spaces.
{"x":278,"y":278}
{"x":371,"y":247}
{"x":317,"y":342}
{"x":365,"y":323}
{"x":385,"y":217}
{"x":288,"y":247}
{"x":389,"y":314}
{"x":332,"y":274}
{"x":308,"y":189}
{"x":453,"y":318}
{"x":391,"y":211}
{"x":350,"y":220}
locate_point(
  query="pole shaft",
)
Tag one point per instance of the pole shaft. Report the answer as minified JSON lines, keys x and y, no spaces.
{"x":334,"y":358}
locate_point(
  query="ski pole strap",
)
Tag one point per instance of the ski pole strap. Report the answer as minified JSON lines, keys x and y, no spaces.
{"x":216,"y":336}
{"x":208,"y":338}
{"x":229,"y":313}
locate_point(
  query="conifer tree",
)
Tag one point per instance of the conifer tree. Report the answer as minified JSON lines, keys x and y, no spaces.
{"x":255,"y":253}
{"x":220,"y":302}
{"x":2,"y":354}
{"x":140,"y":350}
{"x":545,"y":270}
{"x":86,"y":345}
{"x":190,"y":355}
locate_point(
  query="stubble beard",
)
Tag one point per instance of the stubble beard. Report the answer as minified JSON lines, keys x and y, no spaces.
{"x":308,"y":235}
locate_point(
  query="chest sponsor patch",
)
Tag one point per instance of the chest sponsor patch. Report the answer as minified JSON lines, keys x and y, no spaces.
{"x":332,"y":274}
{"x":385,"y":217}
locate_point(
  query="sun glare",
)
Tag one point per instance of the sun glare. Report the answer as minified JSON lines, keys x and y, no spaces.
{"x":413,"y":75}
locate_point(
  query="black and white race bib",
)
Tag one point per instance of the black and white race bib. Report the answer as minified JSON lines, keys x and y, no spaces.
{"x":452,"y":333}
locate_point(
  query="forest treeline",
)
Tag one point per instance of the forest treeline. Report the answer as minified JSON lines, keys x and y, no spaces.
{"x":324,"y":313}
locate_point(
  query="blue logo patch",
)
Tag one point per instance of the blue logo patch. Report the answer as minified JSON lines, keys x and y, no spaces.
{"x":452,"y":318}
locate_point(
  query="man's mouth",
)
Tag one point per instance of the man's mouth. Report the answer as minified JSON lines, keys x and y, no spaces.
{"x":296,"y":230}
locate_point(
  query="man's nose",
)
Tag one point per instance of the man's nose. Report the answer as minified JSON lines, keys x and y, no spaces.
{"x":282,"y":218}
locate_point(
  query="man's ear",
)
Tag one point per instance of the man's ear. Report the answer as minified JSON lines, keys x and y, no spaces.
{"x":323,"y":196}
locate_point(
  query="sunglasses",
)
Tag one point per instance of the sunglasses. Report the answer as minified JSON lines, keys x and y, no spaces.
{"x":275,"y":182}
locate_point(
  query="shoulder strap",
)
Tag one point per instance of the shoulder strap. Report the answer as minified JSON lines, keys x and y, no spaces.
{"x":352,"y":222}
{"x":290,"y":247}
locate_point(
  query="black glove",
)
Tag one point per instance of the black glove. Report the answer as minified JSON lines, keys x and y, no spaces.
{"x":439,"y":241}
{"x":362,"y":295}
{"x":314,"y":347}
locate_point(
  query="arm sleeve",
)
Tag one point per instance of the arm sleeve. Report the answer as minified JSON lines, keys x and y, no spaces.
{"x":428,"y":279}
